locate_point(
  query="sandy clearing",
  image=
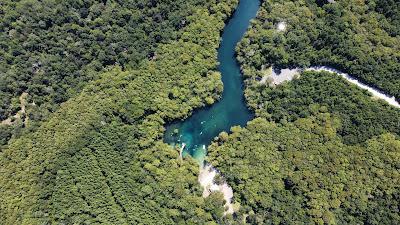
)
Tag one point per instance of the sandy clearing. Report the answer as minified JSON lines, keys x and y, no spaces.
{"x":207,"y":181}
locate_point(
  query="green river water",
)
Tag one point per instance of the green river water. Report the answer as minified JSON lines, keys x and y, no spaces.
{"x":205,"y":124}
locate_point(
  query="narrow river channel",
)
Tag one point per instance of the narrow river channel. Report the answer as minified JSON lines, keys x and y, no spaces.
{"x":205,"y":124}
{"x":197,"y":132}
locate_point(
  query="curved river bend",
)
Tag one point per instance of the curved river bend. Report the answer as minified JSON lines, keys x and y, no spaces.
{"x":196,"y":132}
{"x":205,"y":124}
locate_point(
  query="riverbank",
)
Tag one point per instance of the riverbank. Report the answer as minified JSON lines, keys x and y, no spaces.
{"x":200,"y":129}
{"x":208,"y":180}
{"x":277,"y":77}
{"x":376,"y":93}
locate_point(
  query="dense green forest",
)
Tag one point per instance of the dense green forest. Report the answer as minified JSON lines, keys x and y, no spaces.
{"x":51,"y":49}
{"x":301,"y":173}
{"x":322,"y":151}
{"x":100,"y":157}
{"x":86,"y":88}
{"x":361,"y":115}
{"x":318,"y":153}
{"x":361,"y":38}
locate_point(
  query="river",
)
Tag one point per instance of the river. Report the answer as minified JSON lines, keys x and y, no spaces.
{"x":205,"y":124}
{"x":195,"y":133}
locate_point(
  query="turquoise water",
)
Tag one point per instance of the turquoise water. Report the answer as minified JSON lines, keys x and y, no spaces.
{"x":205,"y":124}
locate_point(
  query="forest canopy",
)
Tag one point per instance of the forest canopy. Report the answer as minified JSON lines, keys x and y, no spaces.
{"x":91,"y":84}
{"x":302,"y":173}
{"x":360,"y":38}
{"x":320,"y":150}
{"x":362,"y":116}
{"x":100,"y":158}
{"x":52,"y":49}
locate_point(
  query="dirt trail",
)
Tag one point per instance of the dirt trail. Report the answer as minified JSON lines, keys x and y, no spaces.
{"x":11,"y":120}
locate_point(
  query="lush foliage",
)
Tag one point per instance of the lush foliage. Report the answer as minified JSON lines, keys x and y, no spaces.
{"x":318,"y":153}
{"x":51,"y":49}
{"x":100,"y":157}
{"x":361,"y":115}
{"x":321,"y":151}
{"x":301,"y":173}
{"x":358,"y":37}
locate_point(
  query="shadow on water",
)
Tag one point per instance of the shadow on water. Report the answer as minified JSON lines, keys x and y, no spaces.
{"x":205,"y":124}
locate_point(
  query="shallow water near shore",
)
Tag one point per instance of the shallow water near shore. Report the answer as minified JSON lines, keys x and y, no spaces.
{"x":205,"y":124}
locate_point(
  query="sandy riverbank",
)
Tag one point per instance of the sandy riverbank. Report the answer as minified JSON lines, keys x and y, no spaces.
{"x":207,"y":181}
{"x":277,"y":77}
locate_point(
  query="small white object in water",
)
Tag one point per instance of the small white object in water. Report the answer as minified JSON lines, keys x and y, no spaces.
{"x":201,"y":133}
{"x":281,"y":26}
{"x":202,"y":122}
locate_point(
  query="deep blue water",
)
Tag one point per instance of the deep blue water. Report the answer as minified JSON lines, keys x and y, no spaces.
{"x":205,"y":124}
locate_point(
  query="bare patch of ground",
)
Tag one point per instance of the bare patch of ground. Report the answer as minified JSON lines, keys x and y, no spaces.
{"x":207,"y":180}
{"x":276,"y":77}
{"x":23,"y":102}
